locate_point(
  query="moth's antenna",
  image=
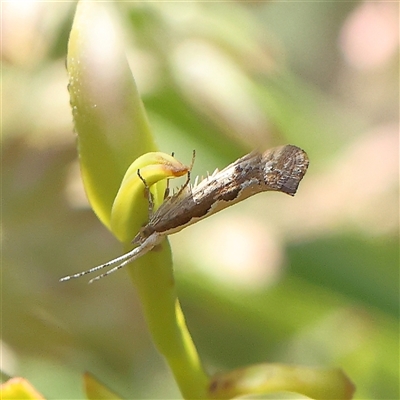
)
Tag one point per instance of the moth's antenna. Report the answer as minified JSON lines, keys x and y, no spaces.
{"x":126,"y":256}
{"x":119,"y":266}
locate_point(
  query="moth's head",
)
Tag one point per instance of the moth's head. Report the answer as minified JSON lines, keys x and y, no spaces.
{"x":143,"y":234}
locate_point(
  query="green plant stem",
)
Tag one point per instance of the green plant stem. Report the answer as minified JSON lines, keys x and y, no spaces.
{"x":154,"y":280}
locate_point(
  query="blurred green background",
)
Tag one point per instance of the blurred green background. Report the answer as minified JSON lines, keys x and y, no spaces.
{"x":310,"y":280}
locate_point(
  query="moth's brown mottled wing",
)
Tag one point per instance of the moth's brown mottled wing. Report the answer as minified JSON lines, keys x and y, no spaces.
{"x":284,"y":168}
{"x":279,"y":169}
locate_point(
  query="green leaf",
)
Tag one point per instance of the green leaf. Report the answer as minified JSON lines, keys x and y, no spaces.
{"x":113,"y":132}
{"x":19,"y":389}
{"x":109,"y":116}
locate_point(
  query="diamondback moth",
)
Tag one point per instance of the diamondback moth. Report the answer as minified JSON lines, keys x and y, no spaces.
{"x":279,"y":169}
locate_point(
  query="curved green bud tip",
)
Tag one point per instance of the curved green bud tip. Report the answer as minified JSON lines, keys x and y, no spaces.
{"x":95,"y":390}
{"x":315,"y":383}
{"x":130,"y":208}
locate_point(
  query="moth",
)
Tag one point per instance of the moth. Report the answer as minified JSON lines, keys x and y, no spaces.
{"x":279,"y":169}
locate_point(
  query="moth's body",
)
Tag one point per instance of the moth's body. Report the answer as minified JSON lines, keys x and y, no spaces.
{"x":279,"y":169}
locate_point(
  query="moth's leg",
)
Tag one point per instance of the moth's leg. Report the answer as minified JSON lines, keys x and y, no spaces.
{"x":186,"y":184}
{"x":148,"y":194}
{"x":193,"y":157}
{"x":166,"y":193}
{"x":167,"y":189}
